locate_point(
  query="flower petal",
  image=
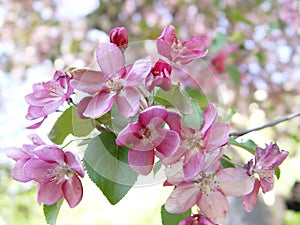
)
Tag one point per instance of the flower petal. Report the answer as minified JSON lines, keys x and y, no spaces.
{"x":110,"y":59}
{"x":49,"y":193}
{"x":153,"y":116}
{"x":214,"y":206}
{"x":130,"y":134}
{"x":99,"y":105}
{"x":250,"y":199}
{"x":183,"y":197}
{"x":72,"y":191}
{"x":234,"y":182}
{"x":138,"y":72}
{"x":216,"y":137}
{"x":50,"y":153}
{"x":210,"y":117}
{"x":17,"y":172}
{"x":74,"y":163}
{"x":39,"y":170}
{"x":141,"y":161}
{"x":128,"y":102}
{"x":193,"y":164}
{"x":169,"y":144}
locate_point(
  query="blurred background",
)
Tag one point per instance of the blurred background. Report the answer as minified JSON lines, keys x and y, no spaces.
{"x":254,"y":58}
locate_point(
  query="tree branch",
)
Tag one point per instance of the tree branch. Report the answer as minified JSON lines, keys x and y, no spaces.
{"x":273,"y":123}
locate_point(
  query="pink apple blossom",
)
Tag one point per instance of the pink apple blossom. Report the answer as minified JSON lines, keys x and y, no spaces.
{"x":159,"y":76}
{"x":22,"y":155}
{"x":57,"y":174}
{"x":115,"y":81}
{"x":47,"y":97}
{"x":119,"y":37}
{"x":265,"y":162}
{"x":180,"y":52}
{"x":208,"y":190}
{"x":194,"y":143}
{"x":196,"y":219}
{"x":147,"y":138}
{"x":220,"y":60}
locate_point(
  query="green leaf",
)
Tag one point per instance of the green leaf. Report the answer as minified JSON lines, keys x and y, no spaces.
{"x":195,"y":118}
{"x":176,"y":98}
{"x":249,"y":145}
{"x":69,"y":123}
{"x":225,"y":163}
{"x":107,"y":166}
{"x":197,"y":96}
{"x":157,"y":166}
{"x":277,"y":172}
{"x":51,"y":212}
{"x":234,"y":73}
{"x":171,"y":218}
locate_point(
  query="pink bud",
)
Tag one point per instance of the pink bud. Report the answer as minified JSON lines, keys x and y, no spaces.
{"x":119,"y":37}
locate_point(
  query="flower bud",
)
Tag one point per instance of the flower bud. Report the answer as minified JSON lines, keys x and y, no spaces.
{"x":119,"y":37}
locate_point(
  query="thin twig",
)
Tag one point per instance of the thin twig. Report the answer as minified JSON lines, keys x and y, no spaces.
{"x":273,"y":123}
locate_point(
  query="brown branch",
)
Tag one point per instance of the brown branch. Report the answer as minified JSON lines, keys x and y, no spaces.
{"x":273,"y":123}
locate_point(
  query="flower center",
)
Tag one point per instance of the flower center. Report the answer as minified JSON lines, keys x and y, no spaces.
{"x":55,"y":89}
{"x":193,"y":141}
{"x":60,"y":173}
{"x":115,"y":84}
{"x":207,"y":184}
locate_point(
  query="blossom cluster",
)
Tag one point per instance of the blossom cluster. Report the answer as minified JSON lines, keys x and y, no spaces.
{"x":191,"y":155}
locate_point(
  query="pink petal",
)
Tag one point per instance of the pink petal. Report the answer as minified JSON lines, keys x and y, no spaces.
{"x":130,"y":134}
{"x":165,"y":41}
{"x":153,"y":116}
{"x":35,"y":112}
{"x":210,"y":117}
{"x":267,"y":183}
{"x":138,"y":72}
{"x":74,"y":163}
{"x":36,"y":140}
{"x":110,"y":59}
{"x":17,"y":172}
{"x":72,"y":191}
{"x":174,"y":122}
{"x":49,"y":193}
{"x":182,"y":198}
{"x":173,"y":158}
{"x":250,"y":199}
{"x":88,"y":81}
{"x":234,"y":182}
{"x":128,"y":102}
{"x":169,"y":144}
{"x":39,"y":170}
{"x":141,"y":161}
{"x":216,"y":137}
{"x":193,"y":164}
{"x":99,"y":105}
{"x":82,"y":105}
{"x":214,"y":206}
{"x":50,"y":153}
{"x":16,"y":153}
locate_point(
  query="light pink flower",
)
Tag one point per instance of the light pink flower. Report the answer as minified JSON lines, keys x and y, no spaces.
{"x":182,"y":52}
{"x":57,"y":173}
{"x":196,"y":219}
{"x":114,"y":82}
{"x":194,"y":143}
{"x":146,"y":136}
{"x":159,"y":76}
{"x":21,"y":156}
{"x":208,"y":190}
{"x":119,"y":37}
{"x":47,"y":97}
{"x":265,"y":162}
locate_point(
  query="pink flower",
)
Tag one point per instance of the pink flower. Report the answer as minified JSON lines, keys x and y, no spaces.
{"x":114,"y":82}
{"x":196,"y":219}
{"x":266,"y":160}
{"x":208,"y":190}
{"x":47,"y":97}
{"x":145,"y":136}
{"x":194,"y":143}
{"x":159,"y":76}
{"x":57,"y":173}
{"x":21,"y":156}
{"x":119,"y":37}
{"x":182,"y":52}
{"x":219,"y":61}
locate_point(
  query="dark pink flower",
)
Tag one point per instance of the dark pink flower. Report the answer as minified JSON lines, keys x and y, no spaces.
{"x":57,"y":173}
{"x":208,"y":190}
{"x":114,"y":82}
{"x":220,"y":60}
{"x":182,"y":52}
{"x":22,"y":155}
{"x":159,"y":76}
{"x":146,"y":136}
{"x":265,"y":162}
{"x":119,"y":37}
{"x":194,"y":143}
{"x":47,"y":97}
{"x":196,"y":219}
